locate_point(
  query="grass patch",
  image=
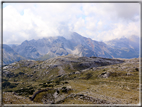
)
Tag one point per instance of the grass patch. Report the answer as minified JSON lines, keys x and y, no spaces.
{"x":45,"y":97}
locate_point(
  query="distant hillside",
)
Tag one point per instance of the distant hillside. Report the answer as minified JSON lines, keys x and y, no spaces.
{"x":124,"y":47}
{"x":9,"y":55}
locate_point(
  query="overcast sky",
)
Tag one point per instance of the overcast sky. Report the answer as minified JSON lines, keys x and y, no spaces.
{"x":98,"y":21}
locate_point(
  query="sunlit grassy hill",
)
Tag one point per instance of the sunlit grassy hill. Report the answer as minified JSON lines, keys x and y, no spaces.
{"x":74,"y":80}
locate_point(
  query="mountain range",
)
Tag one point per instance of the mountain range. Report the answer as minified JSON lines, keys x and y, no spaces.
{"x":46,"y":48}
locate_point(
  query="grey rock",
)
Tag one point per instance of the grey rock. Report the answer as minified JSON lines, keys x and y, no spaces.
{"x":104,"y":75}
{"x":77,"y":72}
{"x":56,"y":94}
{"x":129,"y":74}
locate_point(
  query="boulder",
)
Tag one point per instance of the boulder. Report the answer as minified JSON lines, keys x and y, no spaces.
{"x":56,"y":94}
{"x":104,"y":75}
{"x":77,"y":72}
{"x":129,"y":74}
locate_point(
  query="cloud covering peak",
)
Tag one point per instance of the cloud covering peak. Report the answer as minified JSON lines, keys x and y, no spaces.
{"x":99,"y":21}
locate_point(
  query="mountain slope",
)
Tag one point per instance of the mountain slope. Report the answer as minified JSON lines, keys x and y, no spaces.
{"x":124,"y":47}
{"x":38,"y":48}
{"x":9,"y":55}
{"x":59,"y":46}
{"x":72,"y":79}
{"x":99,"y":48}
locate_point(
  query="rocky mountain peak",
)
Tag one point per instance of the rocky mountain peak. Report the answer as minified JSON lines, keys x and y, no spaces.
{"x":46,"y":48}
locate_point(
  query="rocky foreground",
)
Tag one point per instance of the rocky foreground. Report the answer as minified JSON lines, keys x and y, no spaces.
{"x":72,"y":80}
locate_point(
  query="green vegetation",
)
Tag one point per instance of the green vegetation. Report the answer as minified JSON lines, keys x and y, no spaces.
{"x":48,"y":94}
{"x":118,"y":81}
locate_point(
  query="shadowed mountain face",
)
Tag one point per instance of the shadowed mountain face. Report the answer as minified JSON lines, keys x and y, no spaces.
{"x":131,"y":42}
{"x":46,"y":48}
{"x":124,"y":47}
{"x":9,"y":55}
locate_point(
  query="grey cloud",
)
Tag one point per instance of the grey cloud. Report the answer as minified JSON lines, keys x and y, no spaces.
{"x":64,"y":30}
{"x":9,"y":39}
{"x":127,"y":11}
{"x":49,"y":22}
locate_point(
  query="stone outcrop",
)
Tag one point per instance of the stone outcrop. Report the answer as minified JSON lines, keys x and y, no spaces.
{"x":104,"y":75}
{"x":85,"y":97}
